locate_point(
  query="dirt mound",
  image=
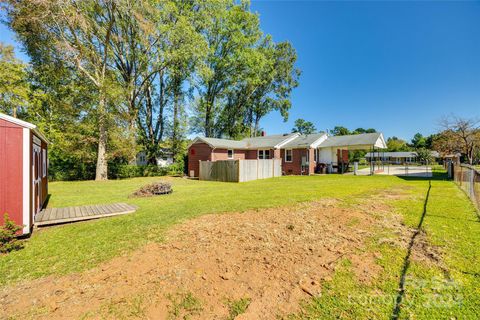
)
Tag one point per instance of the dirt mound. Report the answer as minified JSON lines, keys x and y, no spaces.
{"x":259,"y":264}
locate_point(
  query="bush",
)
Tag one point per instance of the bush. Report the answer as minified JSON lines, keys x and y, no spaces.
{"x":8,"y":239}
{"x":154,"y":189}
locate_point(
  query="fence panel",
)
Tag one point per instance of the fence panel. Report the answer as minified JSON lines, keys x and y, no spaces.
{"x":240,"y":170}
{"x":248,"y":170}
{"x":468,"y":179}
{"x":226,"y":171}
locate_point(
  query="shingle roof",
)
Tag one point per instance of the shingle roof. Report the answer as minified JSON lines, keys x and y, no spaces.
{"x":365,"y":139}
{"x":269,"y":141}
{"x":249,"y":143}
{"x":295,"y":140}
{"x":225,"y":143}
{"x":304,"y":141}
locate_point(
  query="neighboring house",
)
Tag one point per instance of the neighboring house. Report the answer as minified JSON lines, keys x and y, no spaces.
{"x":162,"y":161}
{"x":300,"y":154}
{"x":399,"y":157}
{"x":23,"y":171}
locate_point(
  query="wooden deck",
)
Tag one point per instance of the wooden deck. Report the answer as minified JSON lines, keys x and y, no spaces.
{"x":52,"y":216}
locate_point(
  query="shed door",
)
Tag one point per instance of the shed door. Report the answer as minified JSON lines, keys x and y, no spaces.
{"x":36,"y":178}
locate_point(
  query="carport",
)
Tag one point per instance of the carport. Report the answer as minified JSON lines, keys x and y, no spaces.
{"x":333,"y":152}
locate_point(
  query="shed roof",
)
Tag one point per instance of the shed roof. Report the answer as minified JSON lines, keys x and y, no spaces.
{"x":24,"y":124}
{"x":365,"y":139}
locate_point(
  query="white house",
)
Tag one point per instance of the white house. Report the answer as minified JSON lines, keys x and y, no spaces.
{"x":162,"y":161}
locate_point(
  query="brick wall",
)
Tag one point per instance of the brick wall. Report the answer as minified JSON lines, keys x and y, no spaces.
{"x":222,"y":154}
{"x":295,"y":167}
{"x":197,"y":152}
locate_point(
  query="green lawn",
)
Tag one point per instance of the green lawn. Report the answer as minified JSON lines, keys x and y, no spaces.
{"x":450,"y":222}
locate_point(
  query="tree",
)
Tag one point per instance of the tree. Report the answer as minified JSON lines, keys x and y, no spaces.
{"x":459,"y":135}
{"x":424,"y":155}
{"x":304,"y":127}
{"x":418,"y":141}
{"x":362,"y":130}
{"x":340,"y":131}
{"x":395,"y":144}
{"x":79,"y":32}
{"x":14,"y":87}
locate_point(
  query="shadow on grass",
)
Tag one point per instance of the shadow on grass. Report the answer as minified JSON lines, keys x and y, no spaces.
{"x":442,"y":176}
{"x":406,"y":260}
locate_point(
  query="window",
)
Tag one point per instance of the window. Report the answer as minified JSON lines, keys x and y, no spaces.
{"x":44,"y":162}
{"x":230,"y":154}
{"x":264,"y":154}
{"x":288,"y":155}
{"x":315,"y":155}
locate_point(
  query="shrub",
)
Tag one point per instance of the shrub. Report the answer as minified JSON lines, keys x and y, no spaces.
{"x":153,"y":189}
{"x":8,"y":239}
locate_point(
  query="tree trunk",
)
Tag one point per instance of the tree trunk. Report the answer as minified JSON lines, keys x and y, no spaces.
{"x":102,"y":166}
{"x":208,"y":112}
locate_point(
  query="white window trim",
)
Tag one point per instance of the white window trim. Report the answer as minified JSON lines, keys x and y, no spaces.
{"x":291,"y":155}
{"x":233,"y":154}
{"x":263,"y":154}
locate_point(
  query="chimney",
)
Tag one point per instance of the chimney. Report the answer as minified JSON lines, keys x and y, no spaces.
{"x":263,"y":133}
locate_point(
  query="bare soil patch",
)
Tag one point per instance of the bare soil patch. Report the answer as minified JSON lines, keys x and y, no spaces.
{"x":262,"y":261}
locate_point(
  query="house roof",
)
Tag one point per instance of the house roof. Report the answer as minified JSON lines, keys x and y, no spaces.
{"x":401,"y":154}
{"x":24,"y":124}
{"x":295,"y":140}
{"x":306,"y":141}
{"x":365,"y":139}
{"x":272,"y":141}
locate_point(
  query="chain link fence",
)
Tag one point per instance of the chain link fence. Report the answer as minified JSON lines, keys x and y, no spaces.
{"x":468,"y":179}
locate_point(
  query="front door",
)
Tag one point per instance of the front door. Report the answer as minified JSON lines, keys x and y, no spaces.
{"x":36,"y":178}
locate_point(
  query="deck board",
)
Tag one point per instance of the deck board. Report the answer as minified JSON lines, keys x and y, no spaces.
{"x":51,"y":216}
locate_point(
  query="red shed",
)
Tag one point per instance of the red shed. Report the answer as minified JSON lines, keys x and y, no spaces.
{"x":23,"y":171}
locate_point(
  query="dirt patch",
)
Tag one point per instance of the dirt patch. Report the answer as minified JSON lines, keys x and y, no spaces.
{"x":272,"y":258}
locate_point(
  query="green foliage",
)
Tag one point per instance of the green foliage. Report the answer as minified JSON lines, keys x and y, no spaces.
{"x":419,"y":141}
{"x":424,"y":155}
{"x":340,"y":131}
{"x":304,"y":127}
{"x":8,"y":239}
{"x":395,"y":144}
{"x":185,"y":305}
{"x":109,"y":79}
{"x":14,"y":86}
{"x":237,"y":307}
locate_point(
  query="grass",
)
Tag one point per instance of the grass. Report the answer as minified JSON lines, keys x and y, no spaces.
{"x":450,"y":223}
{"x":237,"y":307}
{"x":184,"y":304}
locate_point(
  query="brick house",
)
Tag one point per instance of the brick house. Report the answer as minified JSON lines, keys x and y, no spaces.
{"x":300,"y":154}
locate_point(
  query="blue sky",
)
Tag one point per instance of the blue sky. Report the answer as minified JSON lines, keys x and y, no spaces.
{"x":394,"y":66}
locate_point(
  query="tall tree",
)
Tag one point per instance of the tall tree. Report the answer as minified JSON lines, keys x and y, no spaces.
{"x":418,"y":141}
{"x":304,"y":127}
{"x":459,"y":135}
{"x":14,"y":86}
{"x":229,"y":31}
{"x":395,"y":144}
{"x":340,"y":131}
{"x":80,"y":32}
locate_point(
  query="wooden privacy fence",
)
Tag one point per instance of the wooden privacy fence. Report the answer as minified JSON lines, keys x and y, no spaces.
{"x":240,"y":170}
{"x":468,"y":179}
